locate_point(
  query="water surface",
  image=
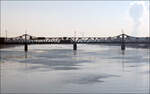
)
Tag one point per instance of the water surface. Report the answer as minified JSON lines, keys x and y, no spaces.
{"x":59,"y":69}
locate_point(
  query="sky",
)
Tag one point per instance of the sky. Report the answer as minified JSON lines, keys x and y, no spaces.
{"x":64,"y":18}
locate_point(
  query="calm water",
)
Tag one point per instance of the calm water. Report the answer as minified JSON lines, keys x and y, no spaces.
{"x":59,"y":69}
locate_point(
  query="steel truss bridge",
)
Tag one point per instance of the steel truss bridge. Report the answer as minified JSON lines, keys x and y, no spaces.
{"x":25,"y":38}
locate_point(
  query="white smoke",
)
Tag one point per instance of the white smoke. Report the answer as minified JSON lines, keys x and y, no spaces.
{"x":136,"y":12}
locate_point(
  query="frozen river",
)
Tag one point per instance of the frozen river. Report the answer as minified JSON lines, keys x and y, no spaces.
{"x":59,"y":69}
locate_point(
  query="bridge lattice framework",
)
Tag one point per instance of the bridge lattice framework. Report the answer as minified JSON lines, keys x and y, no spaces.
{"x":44,"y":40}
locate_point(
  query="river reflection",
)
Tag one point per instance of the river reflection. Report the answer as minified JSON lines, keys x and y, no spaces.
{"x":59,"y":69}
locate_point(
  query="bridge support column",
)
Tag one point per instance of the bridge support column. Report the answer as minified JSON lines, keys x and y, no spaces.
{"x":25,"y":47}
{"x":123,"y":46}
{"x":123,"y":43}
{"x":74,"y":46}
{"x":25,"y":44}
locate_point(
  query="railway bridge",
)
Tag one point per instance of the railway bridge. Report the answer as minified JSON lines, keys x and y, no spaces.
{"x":25,"y":38}
{"x":121,"y":39}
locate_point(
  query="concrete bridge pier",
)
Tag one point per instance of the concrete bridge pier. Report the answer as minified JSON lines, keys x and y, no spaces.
{"x":123,"y":43}
{"x":123,"y":46}
{"x":25,"y":44}
{"x":25,"y":47}
{"x":74,"y":46}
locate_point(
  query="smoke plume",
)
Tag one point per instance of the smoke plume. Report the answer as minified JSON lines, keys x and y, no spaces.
{"x":136,"y":12}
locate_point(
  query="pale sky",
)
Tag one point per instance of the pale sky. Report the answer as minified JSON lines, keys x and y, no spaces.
{"x":62,"y":18}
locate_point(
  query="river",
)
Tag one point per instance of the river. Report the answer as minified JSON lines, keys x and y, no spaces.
{"x":59,"y":69}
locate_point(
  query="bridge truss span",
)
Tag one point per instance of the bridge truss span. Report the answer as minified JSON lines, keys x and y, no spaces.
{"x":25,"y":38}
